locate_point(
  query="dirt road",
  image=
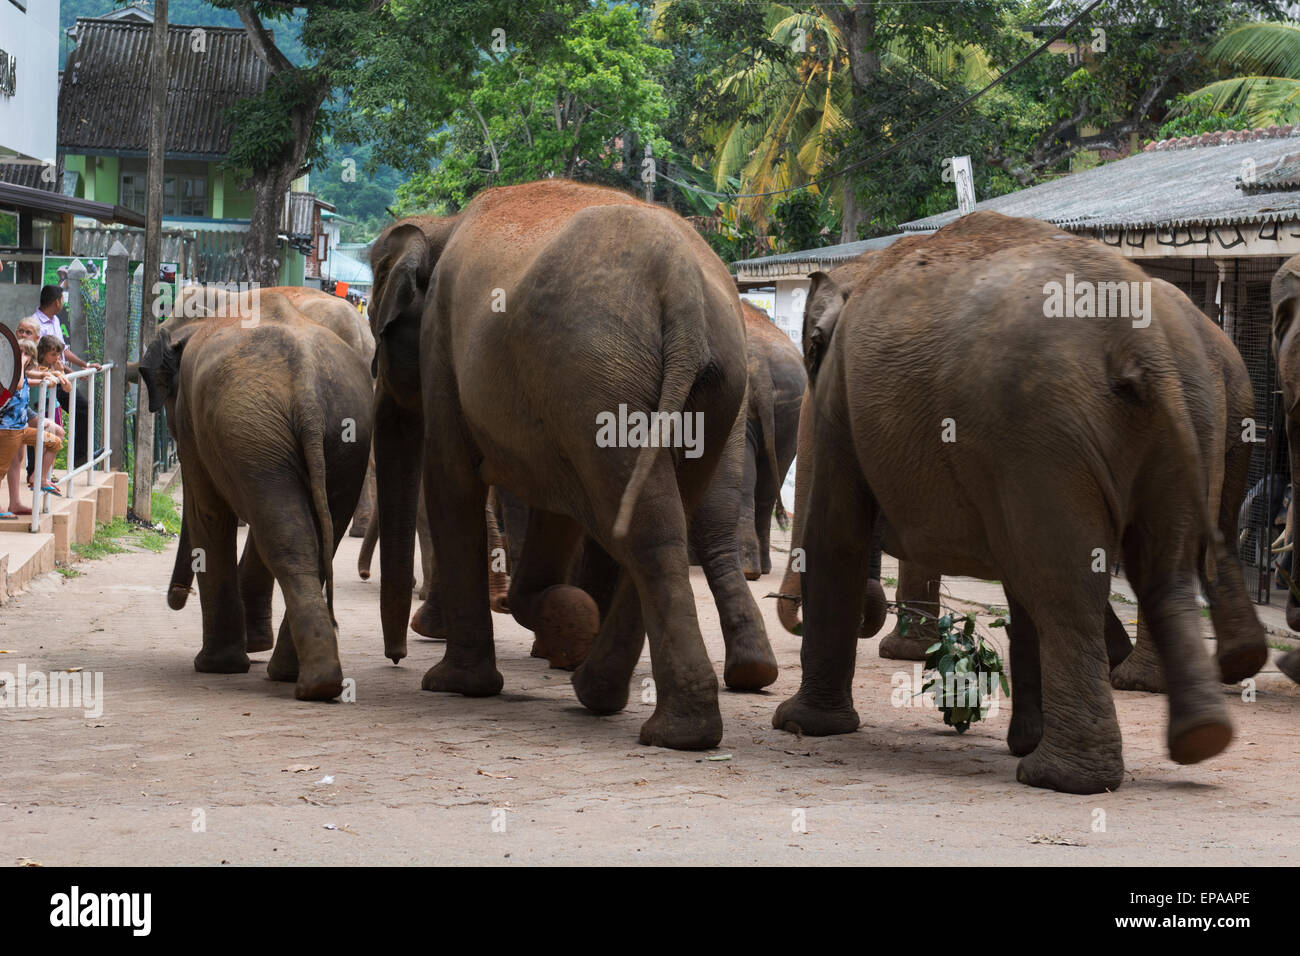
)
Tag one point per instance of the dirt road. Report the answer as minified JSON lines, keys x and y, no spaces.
{"x":195,"y":768}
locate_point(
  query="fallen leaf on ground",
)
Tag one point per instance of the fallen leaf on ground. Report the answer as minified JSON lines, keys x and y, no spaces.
{"x":495,"y":776}
{"x":300,"y":767}
{"x":1053,"y":840}
{"x":22,"y":860}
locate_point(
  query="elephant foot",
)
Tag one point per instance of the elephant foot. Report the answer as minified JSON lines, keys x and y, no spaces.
{"x":689,"y":720}
{"x":1289,"y":664}
{"x":751,"y":574}
{"x":481,"y":679}
{"x":1025,"y":733}
{"x":428,"y":622}
{"x":910,"y":647}
{"x":324,"y":682}
{"x":798,"y":716}
{"x":874,"y":611}
{"x":1195,"y":739}
{"x":750,"y":664}
{"x":1141,"y":671}
{"x":567,"y":623}
{"x":177,"y":596}
{"x":283,"y":665}
{"x":1241,"y":659}
{"x":258,"y":636}
{"x":766,"y":567}
{"x":1050,"y":769}
{"x":597,"y":692}
{"x":225,"y":660}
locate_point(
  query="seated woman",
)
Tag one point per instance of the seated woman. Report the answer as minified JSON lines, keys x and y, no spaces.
{"x":17,"y":430}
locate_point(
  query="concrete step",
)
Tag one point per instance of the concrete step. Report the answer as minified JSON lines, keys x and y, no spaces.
{"x":23,"y":558}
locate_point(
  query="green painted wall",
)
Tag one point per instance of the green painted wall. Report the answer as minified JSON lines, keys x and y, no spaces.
{"x":77,"y":164}
{"x":106,"y":178}
{"x":294,"y":269}
{"x":238,"y":202}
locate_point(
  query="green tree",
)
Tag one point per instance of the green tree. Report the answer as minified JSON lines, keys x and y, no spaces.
{"x":574,"y":106}
{"x":1266,"y":58}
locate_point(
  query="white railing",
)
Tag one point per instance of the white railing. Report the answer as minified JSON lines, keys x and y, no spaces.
{"x":46,"y":405}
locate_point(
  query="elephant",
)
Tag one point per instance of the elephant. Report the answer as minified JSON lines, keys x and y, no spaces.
{"x":776,"y":384}
{"x":554,"y":311}
{"x":1286,"y":353}
{"x":272,"y":416}
{"x":1001,"y":441}
{"x":1134,"y":666}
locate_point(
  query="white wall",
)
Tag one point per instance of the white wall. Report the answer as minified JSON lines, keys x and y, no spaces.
{"x":28,"y":118}
{"x":791,"y":294}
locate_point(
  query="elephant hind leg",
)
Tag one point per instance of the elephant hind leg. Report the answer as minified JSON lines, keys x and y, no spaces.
{"x":1141,"y":669}
{"x":1165,"y":581}
{"x":564,"y":619}
{"x":212,"y":534}
{"x":918,"y":589}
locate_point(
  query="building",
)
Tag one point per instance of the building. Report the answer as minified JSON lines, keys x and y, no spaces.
{"x":1215,"y":215}
{"x":103,"y":140}
{"x":29,"y":78}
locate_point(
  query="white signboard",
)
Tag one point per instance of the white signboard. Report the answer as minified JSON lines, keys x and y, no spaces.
{"x":964,"y":178}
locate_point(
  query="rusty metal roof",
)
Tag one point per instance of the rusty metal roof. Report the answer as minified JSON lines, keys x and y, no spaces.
{"x":1191,"y":182}
{"x":104,"y":95}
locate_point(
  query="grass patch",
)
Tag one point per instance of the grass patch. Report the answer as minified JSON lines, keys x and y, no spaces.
{"x":998,"y":611}
{"x":1122,"y":599}
{"x":120,"y":536}
{"x":1279,"y":646}
{"x":165,"y":513}
{"x":68,"y":572}
{"x":890,"y":582}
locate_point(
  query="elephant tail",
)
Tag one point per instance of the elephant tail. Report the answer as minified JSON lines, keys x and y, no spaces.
{"x":685,"y":356}
{"x":313,"y":451}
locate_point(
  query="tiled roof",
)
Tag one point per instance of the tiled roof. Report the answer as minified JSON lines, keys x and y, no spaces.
{"x":1183,"y":184}
{"x":104,"y":95}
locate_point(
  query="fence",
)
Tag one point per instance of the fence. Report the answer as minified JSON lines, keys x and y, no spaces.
{"x":47,"y":406}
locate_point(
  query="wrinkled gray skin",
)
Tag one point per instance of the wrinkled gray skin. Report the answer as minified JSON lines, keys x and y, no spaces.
{"x":1115,"y":420}
{"x":1286,"y":351}
{"x":776,"y":385}
{"x":272,"y":424}
{"x":600,"y":300}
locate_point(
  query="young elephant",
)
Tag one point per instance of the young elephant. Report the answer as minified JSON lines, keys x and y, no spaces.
{"x":557,"y":314}
{"x":272,"y":419}
{"x":776,"y":385}
{"x":1007,"y":444}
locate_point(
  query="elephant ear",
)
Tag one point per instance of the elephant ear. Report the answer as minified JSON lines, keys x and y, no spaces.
{"x":160,"y":366}
{"x":1285,"y":292}
{"x":825,"y":300}
{"x":402,"y":263}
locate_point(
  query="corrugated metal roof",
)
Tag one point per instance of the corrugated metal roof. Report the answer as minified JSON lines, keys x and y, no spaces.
{"x":809,"y":260}
{"x":104,"y":96}
{"x":1195,"y":186}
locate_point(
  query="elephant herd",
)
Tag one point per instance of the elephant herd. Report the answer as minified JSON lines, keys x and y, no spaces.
{"x":565,"y":373}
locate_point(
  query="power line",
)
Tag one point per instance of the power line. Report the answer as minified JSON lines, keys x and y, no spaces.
{"x":893,"y":148}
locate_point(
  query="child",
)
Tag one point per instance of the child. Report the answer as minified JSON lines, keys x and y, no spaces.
{"x":16,"y":431}
{"x":48,"y":370}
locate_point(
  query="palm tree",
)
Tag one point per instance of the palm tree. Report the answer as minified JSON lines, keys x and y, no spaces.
{"x":1268,"y":54}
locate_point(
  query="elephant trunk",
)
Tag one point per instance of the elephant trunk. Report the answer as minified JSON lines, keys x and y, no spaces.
{"x":182,"y":582}
{"x":368,"y":546}
{"x":399,"y":443}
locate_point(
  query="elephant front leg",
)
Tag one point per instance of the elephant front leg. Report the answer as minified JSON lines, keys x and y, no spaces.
{"x":750,"y":664}
{"x":918,"y":600}
{"x":837,"y":544}
{"x":1141,"y":669}
{"x":256,"y":585}
{"x":455,"y":499}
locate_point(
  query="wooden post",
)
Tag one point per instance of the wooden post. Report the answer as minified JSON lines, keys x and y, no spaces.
{"x":116,"y":316}
{"x":142,"y":497}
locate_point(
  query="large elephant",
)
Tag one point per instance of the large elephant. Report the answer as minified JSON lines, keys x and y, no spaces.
{"x":555,"y":312}
{"x":272,"y":417}
{"x":1134,"y":666}
{"x":1003,"y":442}
{"x":1286,"y":352}
{"x":776,"y":384}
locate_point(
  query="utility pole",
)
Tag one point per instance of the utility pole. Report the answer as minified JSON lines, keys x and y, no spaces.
{"x":142,"y":498}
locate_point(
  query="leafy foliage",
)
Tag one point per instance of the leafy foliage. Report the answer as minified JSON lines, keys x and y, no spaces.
{"x":963,"y":666}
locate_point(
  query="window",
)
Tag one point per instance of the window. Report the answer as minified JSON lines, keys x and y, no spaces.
{"x":184,"y":195}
